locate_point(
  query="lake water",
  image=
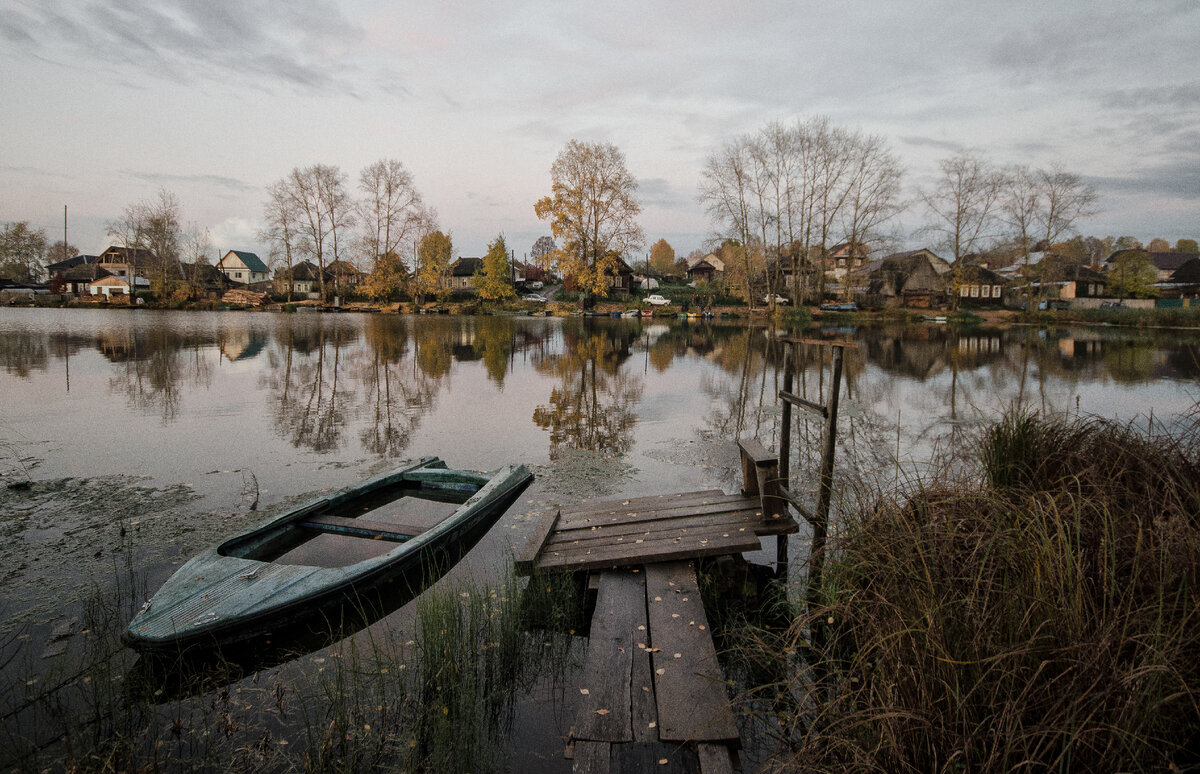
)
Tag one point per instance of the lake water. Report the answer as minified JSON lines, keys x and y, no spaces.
{"x":183,"y":426}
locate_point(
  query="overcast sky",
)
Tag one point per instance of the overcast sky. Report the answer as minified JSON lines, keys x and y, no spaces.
{"x":103,"y":103}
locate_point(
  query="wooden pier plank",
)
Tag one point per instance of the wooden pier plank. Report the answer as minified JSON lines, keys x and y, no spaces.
{"x":604,"y":714}
{"x":592,"y":758}
{"x":693,"y":704}
{"x":714,"y":758}
{"x":615,"y":533}
{"x":655,"y":551}
{"x":727,"y":503}
{"x":545,"y":526}
{"x":649,"y":501}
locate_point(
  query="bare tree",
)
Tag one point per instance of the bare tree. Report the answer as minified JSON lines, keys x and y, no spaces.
{"x":163,"y":236}
{"x":391,"y":212}
{"x":726,"y":191}
{"x":322,"y":209}
{"x":965,"y":205}
{"x":873,"y":194}
{"x":197,"y":241}
{"x":284,"y":230}
{"x":1021,"y":205}
{"x":1064,"y":200}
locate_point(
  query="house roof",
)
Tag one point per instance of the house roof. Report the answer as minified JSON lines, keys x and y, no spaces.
{"x":70,"y":263}
{"x":250,"y":260}
{"x":466,"y":267}
{"x":85,"y":272}
{"x":305,"y":271}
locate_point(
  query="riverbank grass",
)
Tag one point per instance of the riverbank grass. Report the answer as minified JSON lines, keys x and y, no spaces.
{"x":1043,"y":616}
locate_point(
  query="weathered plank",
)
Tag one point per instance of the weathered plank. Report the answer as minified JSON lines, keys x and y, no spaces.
{"x":535,"y":541}
{"x":604,"y":711}
{"x":576,"y":520}
{"x":657,"y":551}
{"x":690,"y":688}
{"x":649,"y":501}
{"x":653,"y":757}
{"x":740,"y":520}
{"x":643,"y":715}
{"x":375,"y":530}
{"x":592,"y":758}
{"x":714,"y":758}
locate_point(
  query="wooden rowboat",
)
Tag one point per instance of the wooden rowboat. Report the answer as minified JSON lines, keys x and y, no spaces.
{"x":294,"y":566}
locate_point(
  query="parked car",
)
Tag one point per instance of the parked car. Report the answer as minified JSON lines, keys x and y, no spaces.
{"x":657,"y":300}
{"x":778,"y":299}
{"x":534,"y":297}
{"x":1054,"y":303}
{"x":535,"y":285}
{"x":1112,"y":304}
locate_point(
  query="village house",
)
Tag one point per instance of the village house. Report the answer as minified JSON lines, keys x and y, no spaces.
{"x":845,"y":258}
{"x":980,"y":286}
{"x":342,"y":275}
{"x":112,"y":285}
{"x":916,"y":278}
{"x":301,"y":279}
{"x":243,"y":267}
{"x":462,"y":273}
{"x":126,"y":261}
{"x":706,"y":269}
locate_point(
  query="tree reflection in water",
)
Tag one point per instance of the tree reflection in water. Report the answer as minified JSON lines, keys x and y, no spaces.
{"x":306,"y":398}
{"x":395,"y":395}
{"x":592,"y":406}
{"x":156,"y":362}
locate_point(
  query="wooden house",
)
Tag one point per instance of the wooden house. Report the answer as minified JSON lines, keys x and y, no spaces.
{"x":303,"y":278}
{"x":113,"y":285}
{"x":243,"y":267}
{"x":979,"y":286}
{"x":463,"y":271}
{"x":916,"y":278}
{"x":706,"y":269}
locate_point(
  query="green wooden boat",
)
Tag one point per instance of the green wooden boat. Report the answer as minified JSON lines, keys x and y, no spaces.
{"x":276,"y":574}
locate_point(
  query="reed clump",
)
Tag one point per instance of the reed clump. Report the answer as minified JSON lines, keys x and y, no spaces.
{"x":1046,"y":620}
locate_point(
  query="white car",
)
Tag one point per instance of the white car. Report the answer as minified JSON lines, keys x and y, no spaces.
{"x":535,"y":285}
{"x":536,"y":298}
{"x":778,"y":299}
{"x":657,"y":300}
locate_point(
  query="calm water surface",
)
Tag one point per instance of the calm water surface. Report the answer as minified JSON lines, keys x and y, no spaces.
{"x":213,"y":413}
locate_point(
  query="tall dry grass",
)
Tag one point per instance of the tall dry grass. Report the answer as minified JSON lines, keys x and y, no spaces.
{"x":1044,"y":616}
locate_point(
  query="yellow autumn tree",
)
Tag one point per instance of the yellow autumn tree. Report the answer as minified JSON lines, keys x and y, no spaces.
{"x":593,"y":212}
{"x":662,"y":257}
{"x":494,"y":280}
{"x":433,"y":264}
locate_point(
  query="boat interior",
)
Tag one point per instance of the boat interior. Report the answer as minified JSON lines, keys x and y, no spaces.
{"x":353,"y":526}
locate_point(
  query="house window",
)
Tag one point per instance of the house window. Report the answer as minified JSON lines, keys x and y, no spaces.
{"x":237,"y":275}
{"x":964,"y":291}
{"x":986,"y":291}
{"x":974,"y":291}
{"x":995,"y":291}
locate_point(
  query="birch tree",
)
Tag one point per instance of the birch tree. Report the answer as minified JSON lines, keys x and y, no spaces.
{"x":391,"y":212}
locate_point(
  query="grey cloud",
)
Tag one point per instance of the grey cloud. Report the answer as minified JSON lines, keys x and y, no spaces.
{"x":215,"y":181}
{"x":1176,"y":96}
{"x":303,"y":44}
{"x":1179,"y":180}
{"x":931,"y":142}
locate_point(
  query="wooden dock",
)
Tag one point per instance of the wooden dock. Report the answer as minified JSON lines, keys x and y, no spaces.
{"x":652,"y":694}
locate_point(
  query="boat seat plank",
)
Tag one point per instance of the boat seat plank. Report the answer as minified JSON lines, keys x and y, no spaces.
{"x":689,"y":709}
{"x":373,"y":530}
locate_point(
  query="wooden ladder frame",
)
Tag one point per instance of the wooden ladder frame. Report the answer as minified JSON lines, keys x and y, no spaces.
{"x":766,"y":474}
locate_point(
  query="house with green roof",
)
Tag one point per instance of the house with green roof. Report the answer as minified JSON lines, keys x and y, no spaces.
{"x":241,"y":266}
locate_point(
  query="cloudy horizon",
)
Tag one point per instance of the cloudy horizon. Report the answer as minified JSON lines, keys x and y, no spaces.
{"x":214,"y":101}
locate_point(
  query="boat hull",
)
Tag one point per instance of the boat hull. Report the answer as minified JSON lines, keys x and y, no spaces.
{"x":226,"y":595}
